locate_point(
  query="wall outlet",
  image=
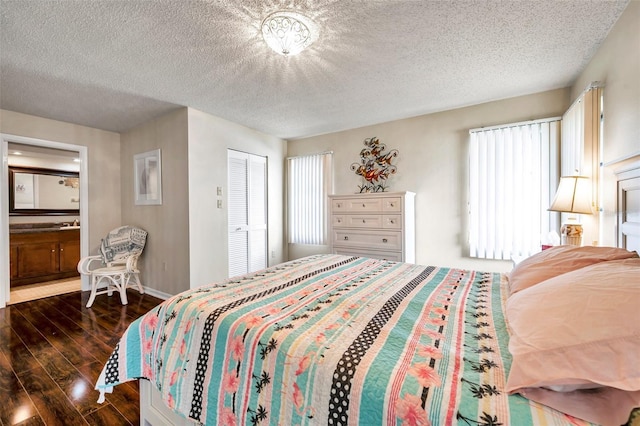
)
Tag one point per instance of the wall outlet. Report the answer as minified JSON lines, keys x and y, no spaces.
{"x":219,"y":204}
{"x":219,"y":191}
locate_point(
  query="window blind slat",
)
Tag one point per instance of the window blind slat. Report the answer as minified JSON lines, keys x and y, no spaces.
{"x":307,"y":192}
{"x":510,"y":175}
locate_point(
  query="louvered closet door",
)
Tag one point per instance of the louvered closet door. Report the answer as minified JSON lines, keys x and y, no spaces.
{"x":247,"y":212}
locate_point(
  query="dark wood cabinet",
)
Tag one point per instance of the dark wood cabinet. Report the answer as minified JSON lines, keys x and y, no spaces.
{"x":37,"y":259}
{"x":44,"y":256}
{"x":69,"y":255}
{"x":13,"y":261}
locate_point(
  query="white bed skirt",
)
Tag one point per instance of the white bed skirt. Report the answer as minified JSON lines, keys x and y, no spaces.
{"x":154,"y":412}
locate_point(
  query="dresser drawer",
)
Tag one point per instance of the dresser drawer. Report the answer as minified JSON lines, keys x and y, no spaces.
{"x":384,"y":240}
{"x":392,"y":221}
{"x":394,"y":256}
{"x":351,"y":205}
{"x":357,"y":221}
{"x":392,"y":204}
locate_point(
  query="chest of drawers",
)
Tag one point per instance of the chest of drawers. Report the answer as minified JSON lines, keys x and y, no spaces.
{"x":378,"y":225}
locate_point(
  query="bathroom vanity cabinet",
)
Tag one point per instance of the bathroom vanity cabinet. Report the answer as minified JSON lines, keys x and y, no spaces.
{"x":43,"y":255}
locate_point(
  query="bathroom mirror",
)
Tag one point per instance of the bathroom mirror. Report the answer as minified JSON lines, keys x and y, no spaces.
{"x":34,"y":191}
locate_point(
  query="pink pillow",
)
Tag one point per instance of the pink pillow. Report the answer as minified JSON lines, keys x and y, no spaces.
{"x":559,"y":260}
{"x":579,"y":329}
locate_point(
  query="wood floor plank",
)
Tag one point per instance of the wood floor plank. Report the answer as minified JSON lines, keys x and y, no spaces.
{"x":62,"y":372}
{"x":52,"y":404}
{"x":77,"y":388}
{"x":125,"y":397}
{"x":77,"y":355}
{"x":88,"y":318}
{"x":51,"y":353}
{"x":16,"y":406}
{"x":107,"y":416}
{"x":30,"y":335}
{"x":19,"y":357}
{"x":83,"y":332}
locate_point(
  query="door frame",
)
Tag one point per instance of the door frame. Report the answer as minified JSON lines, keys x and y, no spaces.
{"x":4,"y":205}
{"x":250,"y":225}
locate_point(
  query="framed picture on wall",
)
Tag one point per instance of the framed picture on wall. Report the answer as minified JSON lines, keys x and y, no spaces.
{"x":147,"y":171}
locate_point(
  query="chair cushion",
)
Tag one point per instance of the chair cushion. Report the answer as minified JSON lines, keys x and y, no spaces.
{"x":122,"y":242}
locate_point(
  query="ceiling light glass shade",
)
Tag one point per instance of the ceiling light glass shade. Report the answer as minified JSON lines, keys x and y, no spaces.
{"x":288,"y":33}
{"x":573,"y":195}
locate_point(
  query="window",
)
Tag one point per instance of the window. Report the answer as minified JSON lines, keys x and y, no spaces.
{"x":513,"y":173}
{"x":582,"y":153}
{"x":308,"y":184}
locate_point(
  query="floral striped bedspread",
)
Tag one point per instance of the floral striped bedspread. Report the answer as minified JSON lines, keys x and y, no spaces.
{"x":335,"y":340}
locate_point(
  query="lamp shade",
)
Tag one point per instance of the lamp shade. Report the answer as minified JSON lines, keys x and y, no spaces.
{"x":573,"y":195}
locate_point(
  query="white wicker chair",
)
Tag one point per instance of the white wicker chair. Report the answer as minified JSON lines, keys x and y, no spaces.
{"x":117,"y":264}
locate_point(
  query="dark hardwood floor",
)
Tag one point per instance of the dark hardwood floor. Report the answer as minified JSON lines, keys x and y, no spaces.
{"x":51,"y":353}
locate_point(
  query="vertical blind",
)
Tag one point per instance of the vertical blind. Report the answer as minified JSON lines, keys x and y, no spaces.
{"x":572,"y":139}
{"x":308,"y":184}
{"x":513,"y":172}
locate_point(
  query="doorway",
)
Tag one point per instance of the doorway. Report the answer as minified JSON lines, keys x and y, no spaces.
{"x":247,"y":212}
{"x":5,"y":140}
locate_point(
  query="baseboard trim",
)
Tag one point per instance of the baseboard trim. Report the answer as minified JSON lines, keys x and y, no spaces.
{"x":157,"y":293}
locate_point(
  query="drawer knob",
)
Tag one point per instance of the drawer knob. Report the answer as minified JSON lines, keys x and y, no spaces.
{"x":61,"y":249}
{"x":53,"y":251}
{"x":339,"y":220}
{"x":392,"y":221}
{"x":384,"y":240}
{"x":339,"y":205}
{"x":364,"y":221}
{"x":346,"y":237}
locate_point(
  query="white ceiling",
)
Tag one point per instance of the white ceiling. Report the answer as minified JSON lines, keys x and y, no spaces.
{"x":116,"y":64}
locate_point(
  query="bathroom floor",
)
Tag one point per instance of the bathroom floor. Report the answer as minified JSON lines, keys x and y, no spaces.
{"x":41,"y":290}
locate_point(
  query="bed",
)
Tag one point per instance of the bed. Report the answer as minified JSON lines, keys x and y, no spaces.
{"x":333,"y":339}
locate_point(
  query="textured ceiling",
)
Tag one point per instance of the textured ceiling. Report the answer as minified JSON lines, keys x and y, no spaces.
{"x":116,"y":64}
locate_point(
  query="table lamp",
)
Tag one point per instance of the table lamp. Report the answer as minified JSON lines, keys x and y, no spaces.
{"x":573,"y":196}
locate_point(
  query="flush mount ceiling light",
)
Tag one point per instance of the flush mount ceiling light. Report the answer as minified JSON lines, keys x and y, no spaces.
{"x":288,"y":33}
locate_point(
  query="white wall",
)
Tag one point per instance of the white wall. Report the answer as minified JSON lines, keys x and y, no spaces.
{"x":433,"y":163}
{"x":617,"y":65}
{"x":209,"y":139}
{"x":164,"y":264}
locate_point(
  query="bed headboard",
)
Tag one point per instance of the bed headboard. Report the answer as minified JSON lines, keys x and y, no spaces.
{"x":628,"y":205}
